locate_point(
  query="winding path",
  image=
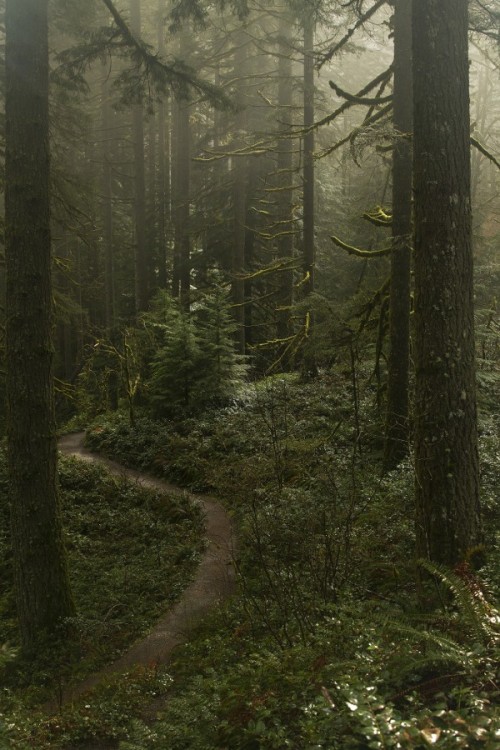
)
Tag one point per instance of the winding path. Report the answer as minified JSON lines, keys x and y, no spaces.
{"x":213,"y":582}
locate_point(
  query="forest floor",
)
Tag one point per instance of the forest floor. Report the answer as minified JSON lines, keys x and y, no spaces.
{"x":214,"y":580}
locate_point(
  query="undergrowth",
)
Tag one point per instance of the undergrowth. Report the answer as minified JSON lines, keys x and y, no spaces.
{"x":326,"y":645}
{"x":131,"y":553}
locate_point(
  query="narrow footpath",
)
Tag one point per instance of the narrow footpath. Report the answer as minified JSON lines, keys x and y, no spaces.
{"x":213,"y":582}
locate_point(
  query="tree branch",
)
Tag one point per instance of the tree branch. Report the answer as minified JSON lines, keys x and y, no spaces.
{"x":356,"y":99}
{"x":176,"y":74}
{"x":350,"y":32}
{"x":484,"y":151}
{"x":358,"y":251}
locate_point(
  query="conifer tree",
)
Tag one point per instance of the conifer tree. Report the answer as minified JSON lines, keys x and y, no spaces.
{"x":397,"y":426}
{"x":446,"y":452}
{"x":221,"y":369}
{"x":173,"y":368}
{"x":41,"y":580}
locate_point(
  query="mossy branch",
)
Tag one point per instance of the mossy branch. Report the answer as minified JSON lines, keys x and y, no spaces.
{"x":379,"y":217}
{"x":280,"y":265}
{"x":352,"y":250}
{"x":361,"y":100}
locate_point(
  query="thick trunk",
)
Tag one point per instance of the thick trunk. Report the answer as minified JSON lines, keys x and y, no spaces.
{"x":397,"y":437}
{"x":446,"y":456}
{"x":41,"y":580}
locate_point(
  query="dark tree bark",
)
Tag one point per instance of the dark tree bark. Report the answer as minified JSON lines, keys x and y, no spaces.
{"x":240,"y":171}
{"x":42,"y":588}
{"x":182,"y":249}
{"x":285,"y":148}
{"x":107,"y":205}
{"x":308,"y":363}
{"x":446,"y":455}
{"x":152,"y":204}
{"x":142,"y":259}
{"x":108,"y":232}
{"x":308,"y":165}
{"x":163,"y":164}
{"x":397,"y":437}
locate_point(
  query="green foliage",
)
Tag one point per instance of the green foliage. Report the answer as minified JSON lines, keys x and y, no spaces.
{"x":326,"y":646}
{"x":131,"y":552}
{"x":196,"y":364}
{"x":102,"y":718}
{"x":221,"y":369}
{"x":174,"y":366}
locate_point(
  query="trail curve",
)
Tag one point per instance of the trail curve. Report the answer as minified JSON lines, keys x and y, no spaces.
{"x":213,"y":581}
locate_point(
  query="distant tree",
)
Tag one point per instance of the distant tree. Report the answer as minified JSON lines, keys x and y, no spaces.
{"x":397,"y":428}
{"x":41,"y":580}
{"x":308,"y":363}
{"x":240,"y":190}
{"x":142,"y":252}
{"x":285,"y":147}
{"x":181,"y":283}
{"x":174,"y":366}
{"x":308,"y":159}
{"x":220,"y":368}
{"x":446,"y":454}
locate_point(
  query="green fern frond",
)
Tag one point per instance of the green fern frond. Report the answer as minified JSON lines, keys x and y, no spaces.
{"x":478,"y":618}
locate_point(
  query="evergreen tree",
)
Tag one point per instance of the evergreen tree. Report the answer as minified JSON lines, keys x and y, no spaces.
{"x":221,"y":370}
{"x":446,"y":453}
{"x":41,"y":580}
{"x":174,"y":365}
{"x":397,"y":428}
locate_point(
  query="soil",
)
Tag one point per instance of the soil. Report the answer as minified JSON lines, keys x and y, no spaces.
{"x":213,"y":582}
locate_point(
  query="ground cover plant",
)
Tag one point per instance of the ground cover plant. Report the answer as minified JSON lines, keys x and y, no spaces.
{"x":131,"y":552}
{"x":332,"y":642}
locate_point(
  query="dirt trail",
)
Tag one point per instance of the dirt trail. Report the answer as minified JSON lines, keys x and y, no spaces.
{"x":214,"y":580}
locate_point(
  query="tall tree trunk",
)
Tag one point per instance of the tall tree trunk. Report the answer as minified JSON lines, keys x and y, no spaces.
{"x":163,"y":193}
{"x":108,"y":229}
{"x":397,"y":437}
{"x":107,"y":204}
{"x":152,"y":226}
{"x":239,"y":197}
{"x":163,"y":164}
{"x":41,"y":580}
{"x":308,"y":363}
{"x":182,"y":249}
{"x":446,"y":455}
{"x":285,"y":176}
{"x":308,"y":158}
{"x":142,"y":260}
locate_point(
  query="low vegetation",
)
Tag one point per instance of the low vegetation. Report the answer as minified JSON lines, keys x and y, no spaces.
{"x":338,"y":637}
{"x":131,"y":553}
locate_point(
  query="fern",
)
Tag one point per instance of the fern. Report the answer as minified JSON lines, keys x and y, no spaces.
{"x":477,"y":616}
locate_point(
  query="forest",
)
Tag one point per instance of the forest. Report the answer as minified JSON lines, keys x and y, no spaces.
{"x":250,"y":359}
